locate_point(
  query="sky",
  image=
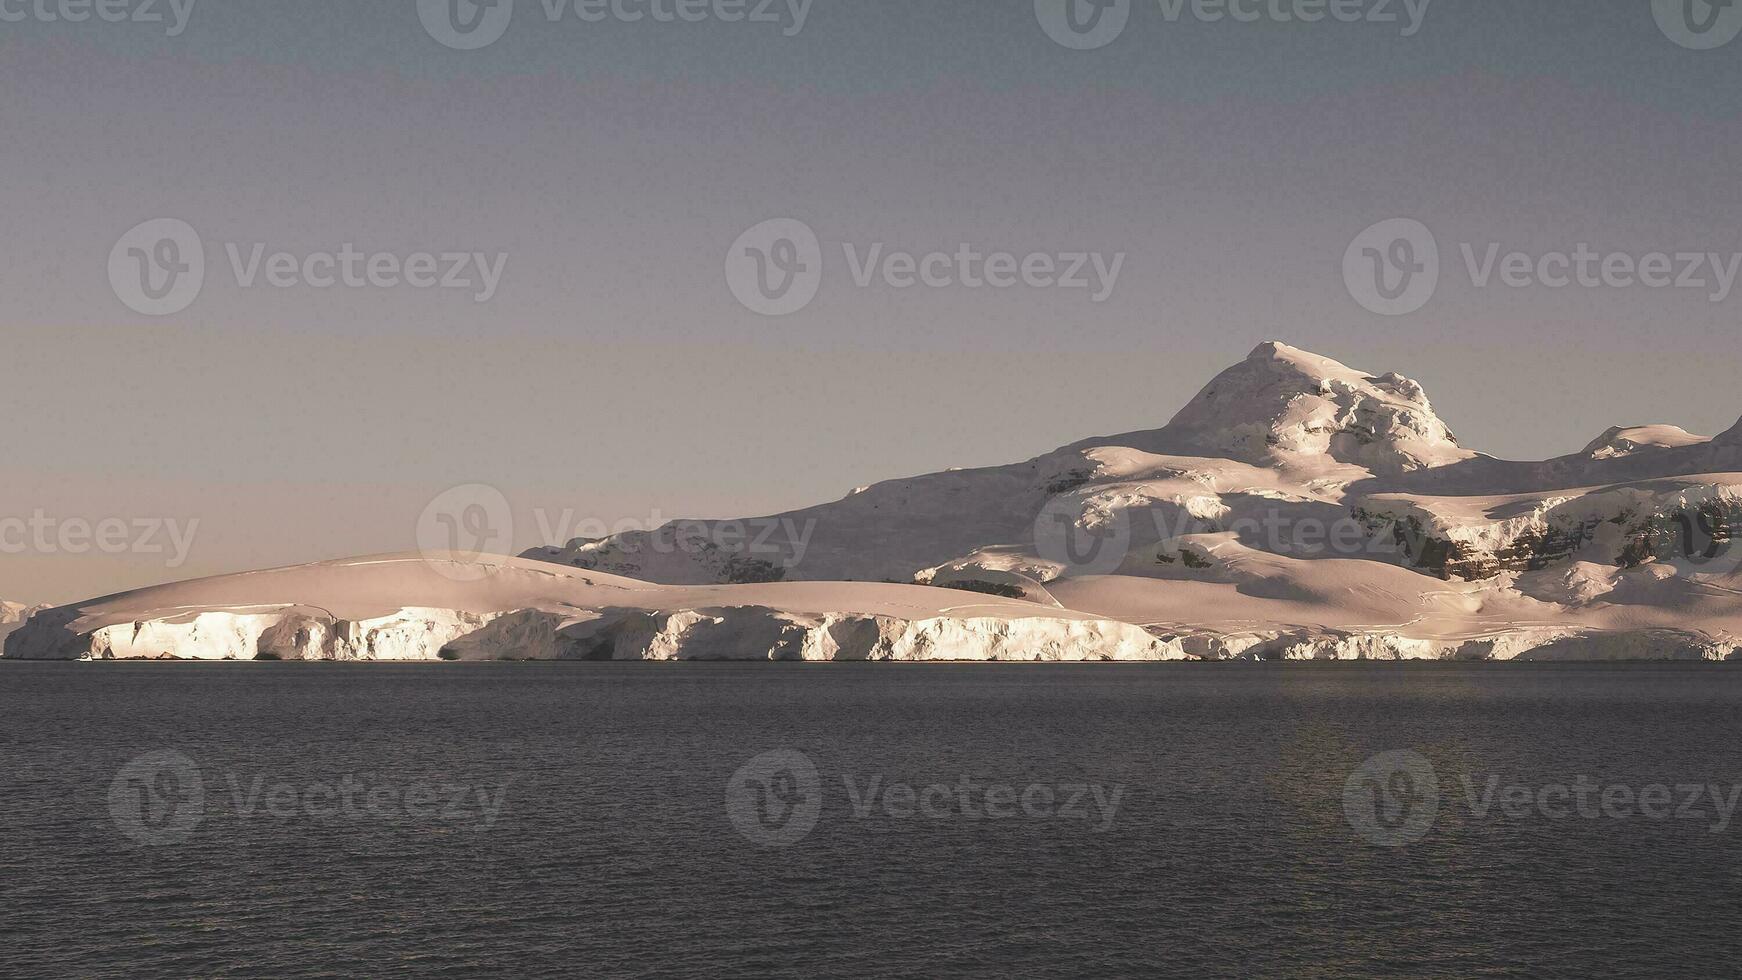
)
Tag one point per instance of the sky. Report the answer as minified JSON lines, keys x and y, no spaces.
{"x":601,"y":356}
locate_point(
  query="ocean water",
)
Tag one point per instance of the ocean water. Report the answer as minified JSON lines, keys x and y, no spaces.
{"x":790,"y":820}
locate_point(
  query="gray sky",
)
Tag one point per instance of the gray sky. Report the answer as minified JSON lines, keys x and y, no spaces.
{"x":612,"y":165}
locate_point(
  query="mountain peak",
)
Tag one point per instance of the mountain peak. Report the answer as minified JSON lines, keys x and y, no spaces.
{"x":1284,"y":403}
{"x":1276,"y":350}
{"x":1731,"y":435}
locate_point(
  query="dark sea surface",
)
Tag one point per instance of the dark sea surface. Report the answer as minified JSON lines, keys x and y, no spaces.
{"x":257,"y":819}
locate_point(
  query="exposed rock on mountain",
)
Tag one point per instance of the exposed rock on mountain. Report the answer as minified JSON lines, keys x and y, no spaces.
{"x":1691,"y":518}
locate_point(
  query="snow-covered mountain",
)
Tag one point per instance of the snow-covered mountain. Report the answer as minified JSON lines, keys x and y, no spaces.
{"x":1295,"y":507}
